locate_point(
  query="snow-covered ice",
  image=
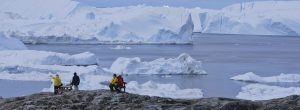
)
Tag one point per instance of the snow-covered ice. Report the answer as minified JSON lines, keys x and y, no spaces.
{"x":259,"y":18}
{"x":67,"y":21}
{"x":265,"y":92}
{"x":8,"y":43}
{"x":164,"y":90}
{"x":252,"y":77}
{"x":27,"y":57}
{"x":183,"y":64}
{"x":121,"y":47}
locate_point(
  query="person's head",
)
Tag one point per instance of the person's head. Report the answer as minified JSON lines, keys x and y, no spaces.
{"x":57,"y":75}
{"x":75,"y":74}
{"x":114,"y":75}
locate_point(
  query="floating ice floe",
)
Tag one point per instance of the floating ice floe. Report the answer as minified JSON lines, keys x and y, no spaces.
{"x":252,"y":77}
{"x":25,"y":64}
{"x":121,"y":47}
{"x":28,"y":57}
{"x":265,"y":92}
{"x":163,"y":90}
{"x":183,"y":64}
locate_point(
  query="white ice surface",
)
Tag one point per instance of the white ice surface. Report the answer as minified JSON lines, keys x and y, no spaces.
{"x":265,"y":92}
{"x":8,"y":43}
{"x":257,"y":17}
{"x":121,"y":47}
{"x":33,"y":57}
{"x":183,"y":64}
{"x":164,"y":90}
{"x":252,"y":77}
{"x":67,"y":21}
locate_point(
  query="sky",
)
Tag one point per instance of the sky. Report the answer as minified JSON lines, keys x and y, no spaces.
{"x":211,"y":4}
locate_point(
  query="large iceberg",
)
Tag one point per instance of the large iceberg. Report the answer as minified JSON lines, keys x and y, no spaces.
{"x":265,"y":92}
{"x":67,"y":21}
{"x":252,"y":77}
{"x":263,"y":18}
{"x":183,"y":64}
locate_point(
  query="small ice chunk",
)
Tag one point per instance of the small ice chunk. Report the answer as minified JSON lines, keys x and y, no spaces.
{"x":163,"y":90}
{"x":121,"y":47}
{"x":265,"y":92}
{"x":252,"y":77}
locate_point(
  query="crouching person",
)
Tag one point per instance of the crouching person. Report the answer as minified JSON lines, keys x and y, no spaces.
{"x":75,"y":82}
{"x":57,"y":83}
{"x":114,"y":84}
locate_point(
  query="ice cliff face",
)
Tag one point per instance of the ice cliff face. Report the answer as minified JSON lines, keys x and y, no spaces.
{"x":263,"y":18}
{"x":66,"y":21}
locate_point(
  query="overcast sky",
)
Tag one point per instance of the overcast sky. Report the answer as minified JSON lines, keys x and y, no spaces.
{"x":212,"y":4}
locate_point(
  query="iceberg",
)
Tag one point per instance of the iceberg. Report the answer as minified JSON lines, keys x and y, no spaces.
{"x":183,"y":64}
{"x":258,"y":18}
{"x":121,"y":47}
{"x":39,"y":65}
{"x":68,"y":21}
{"x":25,"y":57}
{"x":163,"y":90}
{"x":265,"y":92}
{"x":252,"y":77}
{"x":8,"y":43}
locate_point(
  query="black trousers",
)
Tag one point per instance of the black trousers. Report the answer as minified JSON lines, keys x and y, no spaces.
{"x":116,"y":87}
{"x":56,"y":89}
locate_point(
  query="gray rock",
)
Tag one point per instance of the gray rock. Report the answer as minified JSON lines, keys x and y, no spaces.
{"x":105,"y":100}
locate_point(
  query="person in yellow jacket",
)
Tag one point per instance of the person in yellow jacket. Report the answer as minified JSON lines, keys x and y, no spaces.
{"x":57,"y":83}
{"x":114,"y":84}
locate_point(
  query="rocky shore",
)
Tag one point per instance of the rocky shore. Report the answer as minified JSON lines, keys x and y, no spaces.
{"x":105,"y":100}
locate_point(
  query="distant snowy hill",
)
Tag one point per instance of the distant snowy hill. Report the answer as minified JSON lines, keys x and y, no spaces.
{"x":66,"y":21}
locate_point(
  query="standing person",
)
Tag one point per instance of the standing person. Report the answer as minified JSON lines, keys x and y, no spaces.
{"x":57,"y":83}
{"x":75,"y":81}
{"x":114,"y":84}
